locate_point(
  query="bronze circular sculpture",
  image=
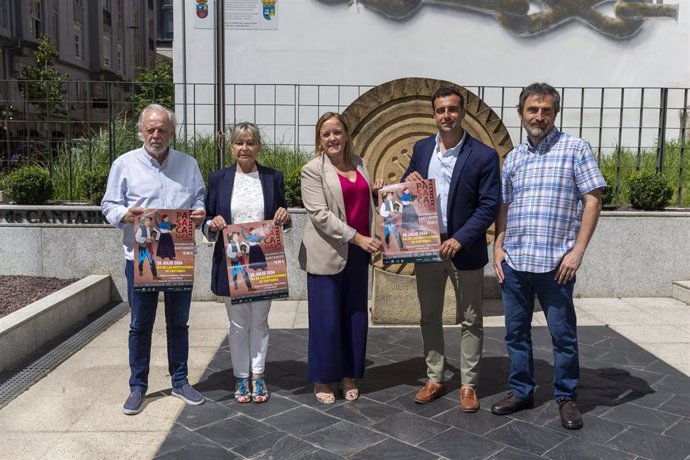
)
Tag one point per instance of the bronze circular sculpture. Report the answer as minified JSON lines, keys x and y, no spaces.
{"x":387,"y":120}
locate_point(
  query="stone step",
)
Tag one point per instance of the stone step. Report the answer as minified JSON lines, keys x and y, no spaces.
{"x":681,"y":291}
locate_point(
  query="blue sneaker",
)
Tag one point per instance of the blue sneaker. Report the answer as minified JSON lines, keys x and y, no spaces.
{"x":188,"y":394}
{"x":134,"y":403}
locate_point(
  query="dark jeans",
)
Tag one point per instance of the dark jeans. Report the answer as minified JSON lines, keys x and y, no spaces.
{"x":143,"y":306}
{"x":338,"y":321}
{"x":519,"y":290}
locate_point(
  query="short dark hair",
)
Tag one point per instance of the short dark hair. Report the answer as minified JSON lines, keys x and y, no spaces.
{"x":540,"y":90}
{"x":445,"y":91}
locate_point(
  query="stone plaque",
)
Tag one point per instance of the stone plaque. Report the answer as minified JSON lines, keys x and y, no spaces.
{"x":385,"y":123}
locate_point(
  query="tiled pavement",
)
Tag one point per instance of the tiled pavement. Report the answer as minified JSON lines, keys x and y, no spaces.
{"x":634,"y":405}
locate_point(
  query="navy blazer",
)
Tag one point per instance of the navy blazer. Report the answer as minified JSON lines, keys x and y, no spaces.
{"x":473,"y":199}
{"x":218,"y":197}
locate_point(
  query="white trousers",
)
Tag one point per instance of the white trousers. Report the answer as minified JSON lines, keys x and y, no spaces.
{"x":248,"y":336}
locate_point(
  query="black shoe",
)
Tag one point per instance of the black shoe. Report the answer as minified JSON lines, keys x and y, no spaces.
{"x":571,"y":418}
{"x":511,"y":404}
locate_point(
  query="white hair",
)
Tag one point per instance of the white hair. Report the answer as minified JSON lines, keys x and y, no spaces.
{"x":172,"y":121}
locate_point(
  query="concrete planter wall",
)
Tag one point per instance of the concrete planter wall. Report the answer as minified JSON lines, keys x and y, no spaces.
{"x":632,"y":254}
{"x":27,"y":330}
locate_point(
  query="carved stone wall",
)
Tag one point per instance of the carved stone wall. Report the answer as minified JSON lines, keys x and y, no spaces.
{"x":386,"y":121}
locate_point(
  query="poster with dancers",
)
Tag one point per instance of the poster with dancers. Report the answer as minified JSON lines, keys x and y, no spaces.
{"x":163,"y":250}
{"x":257,"y":269}
{"x":408,"y":224}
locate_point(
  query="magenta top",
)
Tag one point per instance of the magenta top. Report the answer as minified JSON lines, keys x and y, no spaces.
{"x":356,"y":197}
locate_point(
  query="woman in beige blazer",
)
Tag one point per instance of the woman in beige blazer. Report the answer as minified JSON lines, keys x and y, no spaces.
{"x":335,"y":252}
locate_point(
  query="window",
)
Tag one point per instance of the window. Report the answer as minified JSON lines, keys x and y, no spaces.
{"x":35,"y":18}
{"x":56,"y":30}
{"x":107,"y":51}
{"x":78,"y":42}
{"x":3,"y":13}
{"x":120,"y":59}
{"x":165,"y":23}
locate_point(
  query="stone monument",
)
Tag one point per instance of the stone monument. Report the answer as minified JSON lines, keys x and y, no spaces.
{"x":385,"y":122}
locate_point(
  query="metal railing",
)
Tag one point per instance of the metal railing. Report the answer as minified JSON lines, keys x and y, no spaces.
{"x":616,"y":121}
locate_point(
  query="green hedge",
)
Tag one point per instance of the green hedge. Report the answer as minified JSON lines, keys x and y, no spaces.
{"x":29,"y":185}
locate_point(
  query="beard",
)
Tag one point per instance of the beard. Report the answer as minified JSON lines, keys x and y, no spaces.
{"x":156,"y":148}
{"x":537,"y":133}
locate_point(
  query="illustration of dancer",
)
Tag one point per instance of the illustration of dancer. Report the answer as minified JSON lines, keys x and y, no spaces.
{"x":166,"y":246}
{"x":144,"y":237}
{"x":257,"y":258}
{"x":410,"y":219}
{"x":390,"y":218}
{"x":237,"y":252}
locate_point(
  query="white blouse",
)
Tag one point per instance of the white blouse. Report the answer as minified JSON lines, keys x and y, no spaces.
{"x":247,"y":204}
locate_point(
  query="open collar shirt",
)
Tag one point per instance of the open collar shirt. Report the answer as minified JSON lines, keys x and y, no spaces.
{"x":137,"y":180}
{"x":441,"y":168}
{"x":544,"y":187}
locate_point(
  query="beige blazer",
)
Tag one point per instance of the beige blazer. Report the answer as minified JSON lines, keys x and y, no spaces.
{"x":327,"y":235}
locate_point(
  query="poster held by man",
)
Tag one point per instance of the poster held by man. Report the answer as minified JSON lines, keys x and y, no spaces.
{"x":408,"y":222}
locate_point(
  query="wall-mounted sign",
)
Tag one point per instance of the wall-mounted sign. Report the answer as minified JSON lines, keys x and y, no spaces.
{"x":251,"y":14}
{"x":619,"y":19}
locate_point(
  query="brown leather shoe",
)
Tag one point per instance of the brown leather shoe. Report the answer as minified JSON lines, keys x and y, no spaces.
{"x":468,"y":399}
{"x":571,"y":418}
{"x":511,"y":404}
{"x":430,"y":391}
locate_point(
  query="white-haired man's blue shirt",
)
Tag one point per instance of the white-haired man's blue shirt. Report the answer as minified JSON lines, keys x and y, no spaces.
{"x":137,"y":180}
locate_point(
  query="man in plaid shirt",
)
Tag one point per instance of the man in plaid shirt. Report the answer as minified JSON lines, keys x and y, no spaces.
{"x":551,"y":200}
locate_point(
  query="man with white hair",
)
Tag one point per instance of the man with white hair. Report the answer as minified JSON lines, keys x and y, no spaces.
{"x":154,"y":176}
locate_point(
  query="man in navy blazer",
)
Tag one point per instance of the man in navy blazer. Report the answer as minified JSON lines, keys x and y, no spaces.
{"x":467,"y":175}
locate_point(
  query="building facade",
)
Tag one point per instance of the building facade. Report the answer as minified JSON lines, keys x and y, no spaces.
{"x":97,"y":42}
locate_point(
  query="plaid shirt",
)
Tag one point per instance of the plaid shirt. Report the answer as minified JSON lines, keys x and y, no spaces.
{"x":544,"y":186}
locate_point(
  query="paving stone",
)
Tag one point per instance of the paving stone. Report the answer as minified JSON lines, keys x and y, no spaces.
{"x":527,"y":437}
{"x":301,"y":421}
{"x":194,"y":417}
{"x":634,"y":406}
{"x":363,"y":412}
{"x":650,"y":445}
{"x":680,"y":431}
{"x":642,"y":417}
{"x":586,"y":450}
{"x":595,"y":429}
{"x":479,"y":423}
{"x":513,"y":454}
{"x":455,"y":443}
{"x":275,"y":445}
{"x":679,"y":405}
{"x":344,"y":438}
{"x":234,"y":431}
{"x":410,"y":428}
{"x":393,"y":450}
{"x":259,"y":411}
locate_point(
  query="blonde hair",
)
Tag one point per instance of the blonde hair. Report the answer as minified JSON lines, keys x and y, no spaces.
{"x":347,"y":152}
{"x":246,"y":128}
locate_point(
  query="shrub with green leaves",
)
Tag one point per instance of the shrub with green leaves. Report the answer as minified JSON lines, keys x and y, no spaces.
{"x":94,"y":183}
{"x":609,"y":192}
{"x":293,"y":193}
{"x":650,"y":192}
{"x":29,"y":185}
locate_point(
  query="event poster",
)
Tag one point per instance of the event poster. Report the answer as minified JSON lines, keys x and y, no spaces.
{"x":163,"y":250}
{"x":408,"y":222}
{"x":257,"y":269}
